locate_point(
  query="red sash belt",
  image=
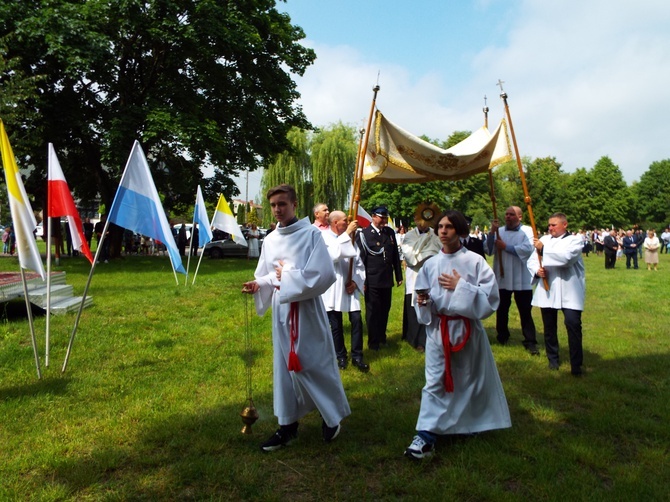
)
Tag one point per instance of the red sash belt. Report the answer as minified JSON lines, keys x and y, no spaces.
{"x":448,"y":348}
{"x":293,"y":361}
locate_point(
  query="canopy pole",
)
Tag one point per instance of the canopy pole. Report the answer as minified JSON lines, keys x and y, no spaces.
{"x":358,"y":177}
{"x":527,"y":198}
{"x":492,"y":194}
{"x":358,"y":172}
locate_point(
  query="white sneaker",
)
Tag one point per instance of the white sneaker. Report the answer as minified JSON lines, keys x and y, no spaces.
{"x":419,"y":449}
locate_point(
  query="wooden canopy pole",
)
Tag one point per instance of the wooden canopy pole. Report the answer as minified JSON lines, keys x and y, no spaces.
{"x":527,"y":198}
{"x":358,"y":172}
{"x":358,"y":177}
{"x":492,"y":194}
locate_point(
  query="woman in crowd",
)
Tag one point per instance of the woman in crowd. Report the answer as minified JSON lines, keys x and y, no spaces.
{"x":253,"y":236}
{"x":651,"y":245}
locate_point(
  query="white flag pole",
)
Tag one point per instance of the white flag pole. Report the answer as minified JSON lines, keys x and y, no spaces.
{"x":188,"y":260}
{"x":48,"y":328}
{"x":83,"y":298}
{"x":30,"y":321}
{"x":202,"y":253}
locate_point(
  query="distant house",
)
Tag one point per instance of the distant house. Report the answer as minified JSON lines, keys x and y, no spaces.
{"x":256,"y":207}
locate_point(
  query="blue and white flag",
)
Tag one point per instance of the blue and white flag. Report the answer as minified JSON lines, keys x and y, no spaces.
{"x":200,"y":217}
{"x":137,"y":206}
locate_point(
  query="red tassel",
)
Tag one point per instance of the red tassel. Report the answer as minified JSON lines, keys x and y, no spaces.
{"x":448,"y":348}
{"x":293,"y":361}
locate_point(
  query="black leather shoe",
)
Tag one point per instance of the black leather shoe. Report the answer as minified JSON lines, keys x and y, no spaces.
{"x":342,"y":363}
{"x":553,"y":365}
{"x":361,"y":365}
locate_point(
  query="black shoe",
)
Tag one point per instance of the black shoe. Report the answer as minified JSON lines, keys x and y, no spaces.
{"x":342,"y":363}
{"x":576,"y":371}
{"x":284,"y":436}
{"x":358,"y":363}
{"x":533,"y":350}
{"x":553,"y":365}
{"x":373,"y":347}
{"x":501,"y":340}
{"x":329,"y":433}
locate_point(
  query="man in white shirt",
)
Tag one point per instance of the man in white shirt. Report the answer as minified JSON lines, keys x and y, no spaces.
{"x":513,"y":248}
{"x":563,"y":268}
{"x":344,"y":294}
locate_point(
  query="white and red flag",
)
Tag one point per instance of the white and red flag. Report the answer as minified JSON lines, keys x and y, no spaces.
{"x":61,"y":203}
{"x":364,"y":219}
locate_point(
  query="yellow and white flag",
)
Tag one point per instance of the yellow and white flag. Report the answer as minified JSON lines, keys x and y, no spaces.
{"x":225,"y":221}
{"x":23,"y":219}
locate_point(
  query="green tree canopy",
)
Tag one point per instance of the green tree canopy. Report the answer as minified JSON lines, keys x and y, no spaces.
{"x":201,"y":83}
{"x":653,"y":195}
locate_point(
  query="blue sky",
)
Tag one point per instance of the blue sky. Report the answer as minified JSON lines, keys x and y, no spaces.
{"x":585,"y":78}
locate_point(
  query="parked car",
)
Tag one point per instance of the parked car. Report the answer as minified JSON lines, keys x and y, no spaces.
{"x":224,"y":246}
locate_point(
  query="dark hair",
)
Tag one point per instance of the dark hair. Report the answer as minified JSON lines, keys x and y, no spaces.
{"x":457,"y":219}
{"x":283,"y":188}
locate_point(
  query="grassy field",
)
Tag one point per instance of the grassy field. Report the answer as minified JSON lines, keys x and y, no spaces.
{"x":149,"y":406}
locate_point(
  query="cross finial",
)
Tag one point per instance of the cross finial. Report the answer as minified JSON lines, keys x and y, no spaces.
{"x":484,"y":99}
{"x":499,"y":84}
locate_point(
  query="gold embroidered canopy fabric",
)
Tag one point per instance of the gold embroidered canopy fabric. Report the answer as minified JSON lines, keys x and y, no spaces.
{"x":396,"y":156}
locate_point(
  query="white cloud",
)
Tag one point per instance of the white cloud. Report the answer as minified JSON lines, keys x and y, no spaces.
{"x":585,"y":79}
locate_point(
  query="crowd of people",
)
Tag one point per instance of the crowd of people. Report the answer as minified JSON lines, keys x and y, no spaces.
{"x":313,"y":272}
{"x":633,"y":244}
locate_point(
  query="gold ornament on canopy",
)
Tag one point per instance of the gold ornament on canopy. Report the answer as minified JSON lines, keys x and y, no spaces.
{"x":427,"y":214}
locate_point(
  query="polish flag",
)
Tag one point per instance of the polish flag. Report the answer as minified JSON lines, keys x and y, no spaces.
{"x":62,"y":204}
{"x":364,"y":219}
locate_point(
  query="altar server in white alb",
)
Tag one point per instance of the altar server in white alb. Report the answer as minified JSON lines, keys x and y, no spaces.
{"x":463,"y":392}
{"x":293,"y":271}
{"x":563,"y":268}
{"x":344,"y":294}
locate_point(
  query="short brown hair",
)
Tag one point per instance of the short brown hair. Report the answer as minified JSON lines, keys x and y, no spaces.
{"x":457,"y":219}
{"x":283,"y":188}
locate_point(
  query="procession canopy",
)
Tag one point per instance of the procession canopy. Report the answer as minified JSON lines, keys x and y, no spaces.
{"x":396,"y":156}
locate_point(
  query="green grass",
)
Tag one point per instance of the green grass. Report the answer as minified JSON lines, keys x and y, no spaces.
{"x":149,"y":406}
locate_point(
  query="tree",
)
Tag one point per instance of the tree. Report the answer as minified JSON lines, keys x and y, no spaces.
{"x":653,"y":195}
{"x":609,"y":195}
{"x":547,"y":189}
{"x":293,"y":166}
{"x":202,"y":84}
{"x":333,"y":158}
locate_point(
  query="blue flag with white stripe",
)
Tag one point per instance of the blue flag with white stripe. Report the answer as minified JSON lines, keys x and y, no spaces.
{"x":137,"y":206}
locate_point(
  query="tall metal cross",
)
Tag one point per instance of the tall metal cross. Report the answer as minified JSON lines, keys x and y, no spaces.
{"x":499,"y":84}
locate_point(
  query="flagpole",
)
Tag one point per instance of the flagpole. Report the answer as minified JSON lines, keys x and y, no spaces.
{"x":83,"y":298}
{"x":190,"y":249}
{"x":492,"y":194}
{"x":48,"y":320}
{"x":198,"y":267}
{"x":527,"y":198}
{"x":30,"y":321}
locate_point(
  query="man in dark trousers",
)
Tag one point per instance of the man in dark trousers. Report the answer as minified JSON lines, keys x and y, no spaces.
{"x":630,"y":248}
{"x":379,"y":252}
{"x":611,"y":245}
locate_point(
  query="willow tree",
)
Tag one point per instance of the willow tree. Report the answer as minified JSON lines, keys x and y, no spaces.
{"x":293,"y":167}
{"x":333,"y":156}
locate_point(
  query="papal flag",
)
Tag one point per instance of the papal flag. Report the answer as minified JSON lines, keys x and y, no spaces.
{"x":61,"y":203}
{"x":225,"y":221}
{"x":23,"y":219}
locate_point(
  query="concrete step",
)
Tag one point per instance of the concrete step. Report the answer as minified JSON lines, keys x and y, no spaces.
{"x":38,"y":296}
{"x":70,"y":305}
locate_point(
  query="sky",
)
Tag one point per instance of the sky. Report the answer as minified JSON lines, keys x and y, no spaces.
{"x":584,"y":78}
